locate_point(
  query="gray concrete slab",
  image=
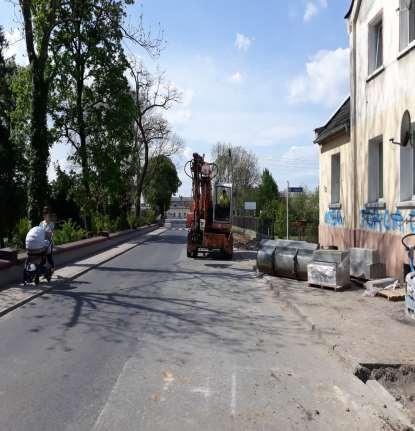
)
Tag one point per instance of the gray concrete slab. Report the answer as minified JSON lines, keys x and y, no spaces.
{"x":152,"y":340}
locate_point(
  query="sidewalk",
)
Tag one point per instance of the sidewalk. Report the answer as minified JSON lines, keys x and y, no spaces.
{"x":16,"y":295}
{"x":360,"y":329}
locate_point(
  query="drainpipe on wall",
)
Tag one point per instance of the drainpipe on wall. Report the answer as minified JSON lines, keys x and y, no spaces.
{"x":353,"y":134}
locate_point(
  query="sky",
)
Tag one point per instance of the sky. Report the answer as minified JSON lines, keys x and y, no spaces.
{"x":262,"y":75}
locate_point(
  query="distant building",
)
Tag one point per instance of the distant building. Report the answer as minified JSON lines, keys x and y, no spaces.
{"x":367,"y":178}
{"x":179,"y":207}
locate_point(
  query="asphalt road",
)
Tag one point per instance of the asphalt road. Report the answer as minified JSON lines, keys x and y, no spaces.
{"x":154,"y":341}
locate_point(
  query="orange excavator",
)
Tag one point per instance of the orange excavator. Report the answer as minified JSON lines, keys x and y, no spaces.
{"x":210,"y":220}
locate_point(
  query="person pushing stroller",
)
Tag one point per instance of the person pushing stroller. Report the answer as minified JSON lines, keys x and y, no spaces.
{"x":48,"y":226}
{"x":39,"y":247}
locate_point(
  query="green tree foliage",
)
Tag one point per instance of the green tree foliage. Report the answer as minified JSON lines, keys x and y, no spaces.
{"x":12,"y":192}
{"x":40,"y":18}
{"x":94,"y":108}
{"x":63,"y":196}
{"x":267,"y":191}
{"x":163,"y":181}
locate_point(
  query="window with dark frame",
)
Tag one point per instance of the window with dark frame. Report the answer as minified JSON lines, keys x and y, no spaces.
{"x":407,"y":170}
{"x":375,"y":169}
{"x":375,"y":44}
{"x":406,"y":23}
{"x":335,"y":178}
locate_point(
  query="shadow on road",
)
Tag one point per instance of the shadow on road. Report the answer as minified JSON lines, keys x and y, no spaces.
{"x":210,"y":305}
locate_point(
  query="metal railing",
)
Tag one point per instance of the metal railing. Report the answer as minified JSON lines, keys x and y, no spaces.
{"x":266,"y":228}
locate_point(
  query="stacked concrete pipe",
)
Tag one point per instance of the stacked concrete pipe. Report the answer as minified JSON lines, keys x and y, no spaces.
{"x":285,"y":258}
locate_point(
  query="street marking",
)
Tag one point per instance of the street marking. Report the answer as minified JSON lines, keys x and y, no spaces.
{"x":205,"y":391}
{"x":233,"y":395}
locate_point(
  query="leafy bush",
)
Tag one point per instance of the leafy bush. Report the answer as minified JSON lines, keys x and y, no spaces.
{"x":132,"y":221}
{"x":148,"y":217}
{"x":20,"y":232}
{"x":68,"y":232}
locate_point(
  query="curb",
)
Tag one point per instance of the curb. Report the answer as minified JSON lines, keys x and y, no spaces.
{"x":83,"y":271}
{"x":401,"y":415}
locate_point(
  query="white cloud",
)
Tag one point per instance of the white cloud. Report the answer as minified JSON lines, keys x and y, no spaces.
{"x":325,"y":81}
{"x":17,"y":47}
{"x":236,"y":78}
{"x":313,"y":8}
{"x":299,"y":165}
{"x":280,"y":132}
{"x":243,"y":42}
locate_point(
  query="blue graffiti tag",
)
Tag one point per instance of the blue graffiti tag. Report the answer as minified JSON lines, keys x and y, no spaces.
{"x":371,"y":218}
{"x":411,"y":220}
{"x":397,"y":221}
{"x":333,"y":218}
{"x":387,"y":220}
{"x":376,"y":219}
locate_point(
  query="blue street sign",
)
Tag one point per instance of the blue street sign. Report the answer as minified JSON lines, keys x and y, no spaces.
{"x":295,"y":189}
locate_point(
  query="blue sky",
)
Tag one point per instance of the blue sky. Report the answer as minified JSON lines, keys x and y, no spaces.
{"x":259,"y":74}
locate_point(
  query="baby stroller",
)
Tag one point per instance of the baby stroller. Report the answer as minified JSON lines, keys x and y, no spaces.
{"x":37,"y":248}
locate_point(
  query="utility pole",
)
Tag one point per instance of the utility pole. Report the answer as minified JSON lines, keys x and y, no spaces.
{"x":288,"y":192}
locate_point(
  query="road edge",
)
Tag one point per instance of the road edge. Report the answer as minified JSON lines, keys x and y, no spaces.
{"x":401,"y":417}
{"x":82,"y":271}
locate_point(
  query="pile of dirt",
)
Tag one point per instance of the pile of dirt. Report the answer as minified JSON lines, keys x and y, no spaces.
{"x":242,"y":242}
{"x":399,"y":380}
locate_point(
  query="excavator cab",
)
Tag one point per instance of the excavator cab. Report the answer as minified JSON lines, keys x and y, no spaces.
{"x":222,"y":203}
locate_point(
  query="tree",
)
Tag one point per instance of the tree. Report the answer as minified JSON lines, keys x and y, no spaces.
{"x":164,"y":182}
{"x":12,"y":200}
{"x":152,"y":95}
{"x":40,"y":18}
{"x":267,"y":190}
{"x":62,"y":200}
{"x":237,"y":166}
{"x":91,"y":63}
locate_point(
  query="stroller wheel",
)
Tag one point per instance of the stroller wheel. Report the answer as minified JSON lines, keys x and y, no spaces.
{"x":37,"y":280}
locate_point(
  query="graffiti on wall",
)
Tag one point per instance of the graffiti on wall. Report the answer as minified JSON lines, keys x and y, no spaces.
{"x":334,"y":218}
{"x":383,"y":220}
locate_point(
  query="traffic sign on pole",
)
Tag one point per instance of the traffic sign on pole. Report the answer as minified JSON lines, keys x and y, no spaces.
{"x":295,"y":189}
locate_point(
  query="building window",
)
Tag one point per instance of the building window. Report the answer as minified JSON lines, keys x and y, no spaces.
{"x":375,"y":169}
{"x":375,"y":44}
{"x":407,"y":174}
{"x":406,"y":23}
{"x":335,"y":178}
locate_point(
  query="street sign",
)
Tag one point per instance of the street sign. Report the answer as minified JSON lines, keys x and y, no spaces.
{"x":295,"y":189}
{"x":250,"y":206}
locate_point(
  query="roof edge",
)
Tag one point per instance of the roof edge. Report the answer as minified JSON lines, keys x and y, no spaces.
{"x":333,"y":115}
{"x":339,"y":130}
{"x":349,"y":12}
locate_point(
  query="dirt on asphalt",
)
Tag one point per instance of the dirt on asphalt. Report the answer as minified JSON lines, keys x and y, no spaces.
{"x":399,"y":380}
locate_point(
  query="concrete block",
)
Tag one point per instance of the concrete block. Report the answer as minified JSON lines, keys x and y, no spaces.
{"x":329,"y":274}
{"x":368,"y":272}
{"x":365,"y":264}
{"x":367,"y":255}
{"x":380,"y":283}
{"x":331,"y":256}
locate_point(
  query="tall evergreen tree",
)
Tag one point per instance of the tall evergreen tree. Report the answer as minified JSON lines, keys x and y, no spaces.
{"x":267,"y":190}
